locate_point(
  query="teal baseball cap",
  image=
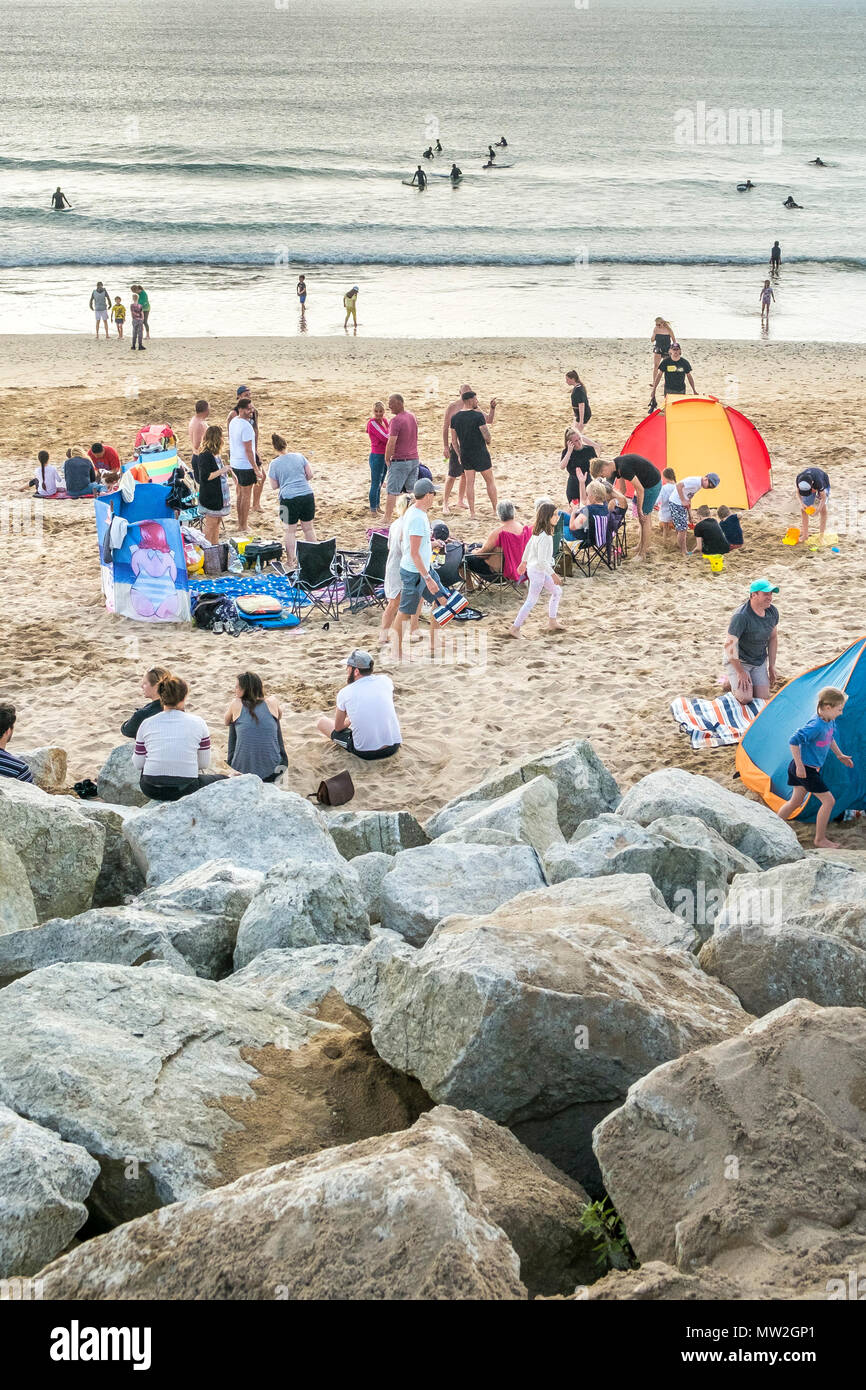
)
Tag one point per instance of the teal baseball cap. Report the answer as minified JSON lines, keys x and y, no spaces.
{"x":763,"y":586}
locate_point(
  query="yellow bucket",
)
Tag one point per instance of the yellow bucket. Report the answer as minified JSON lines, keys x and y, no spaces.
{"x":791,"y":536}
{"x":717,"y":563}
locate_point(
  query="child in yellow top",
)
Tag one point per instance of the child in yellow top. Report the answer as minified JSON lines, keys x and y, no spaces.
{"x":118,"y":315}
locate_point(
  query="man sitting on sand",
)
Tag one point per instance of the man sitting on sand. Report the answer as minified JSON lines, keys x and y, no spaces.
{"x":365,"y":722}
{"x":10,"y":766}
{"x":750,"y":646}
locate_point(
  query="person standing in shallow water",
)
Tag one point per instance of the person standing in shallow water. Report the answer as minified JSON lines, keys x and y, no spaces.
{"x":350,"y":304}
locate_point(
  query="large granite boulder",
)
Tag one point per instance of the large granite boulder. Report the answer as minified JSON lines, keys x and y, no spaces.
{"x":527,"y":815}
{"x":747,"y":1155}
{"x":17,"y":908}
{"x":374,"y":832}
{"x":689,"y":863}
{"x":48,"y":766}
{"x":243,"y":819}
{"x":794,"y":932}
{"x":585,"y":787}
{"x":136,"y":1066}
{"x":303,"y":903}
{"x":371,"y":869}
{"x":43,"y":1186}
{"x":112,"y":936}
{"x":120,"y":876}
{"x":435,"y":881}
{"x":453,"y":1208}
{"x":295,"y":979}
{"x":117,"y":781}
{"x":536,"y":1010}
{"x":61,"y":849}
{"x":750,"y":826}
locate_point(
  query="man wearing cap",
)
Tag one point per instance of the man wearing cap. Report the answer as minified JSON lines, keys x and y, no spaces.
{"x":243,"y":457}
{"x":750,"y":646}
{"x":365,"y":722}
{"x":245,"y":398}
{"x":416,"y":576}
{"x":676,"y":371}
{"x":401,"y":455}
{"x":813,"y":490}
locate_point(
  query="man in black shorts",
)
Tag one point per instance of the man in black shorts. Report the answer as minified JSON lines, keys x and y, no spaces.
{"x":674,"y":370}
{"x":365,"y":722}
{"x":647,"y":483}
{"x":470,"y":437}
{"x":452,"y":458}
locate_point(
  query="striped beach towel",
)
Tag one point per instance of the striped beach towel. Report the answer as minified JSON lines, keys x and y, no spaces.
{"x":714,"y":723}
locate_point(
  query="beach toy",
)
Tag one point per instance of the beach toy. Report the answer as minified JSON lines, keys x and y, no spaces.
{"x":810,"y":511}
{"x":717,"y":563}
{"x":791,"y":536}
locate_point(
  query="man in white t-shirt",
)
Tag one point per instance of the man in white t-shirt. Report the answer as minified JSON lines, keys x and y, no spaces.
{"x":366,"y":722}
{"x":242,"y":458}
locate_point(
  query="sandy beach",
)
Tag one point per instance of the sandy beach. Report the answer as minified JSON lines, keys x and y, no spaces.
{"x":635,"y":639}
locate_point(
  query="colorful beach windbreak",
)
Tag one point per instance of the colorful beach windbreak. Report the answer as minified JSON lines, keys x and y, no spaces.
{"x":698,"y":434}
{"x":145,"y":577}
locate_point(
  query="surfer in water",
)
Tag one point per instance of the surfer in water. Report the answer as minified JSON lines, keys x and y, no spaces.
{"x":819,"y":161}
{"x":491,"y":152}
{"x":59,"y":200}
{"x":419,"y":177}
{"x":789,"y":203}
{"x":744,"y":187}
{"x":455,"y":173}
{"x":428,"y":153}
{"x":502,"y":142}
{"x":438,"y":147}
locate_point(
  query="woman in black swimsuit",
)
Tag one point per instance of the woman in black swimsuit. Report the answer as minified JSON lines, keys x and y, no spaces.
{"x":661,"y":338}
{"x":575,"y":457}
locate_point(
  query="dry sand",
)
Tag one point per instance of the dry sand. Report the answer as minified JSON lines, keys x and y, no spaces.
{"x":634,"y":639}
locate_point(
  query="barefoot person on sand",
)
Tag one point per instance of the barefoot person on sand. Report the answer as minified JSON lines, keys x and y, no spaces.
{"x":537,"y":565}
{"x":242,"y":457}
{"x":470,"y":437}
{"x":451,"y":457}
{"x":646,"y":480}
{"x":813,"y":490}
{"x":750,"y":646}
{"x":401,"y":454}
{"x":245,"y":394}
{"x":809,"y":749}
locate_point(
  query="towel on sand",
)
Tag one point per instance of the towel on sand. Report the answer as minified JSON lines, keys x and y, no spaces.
{"x":718,"y":723}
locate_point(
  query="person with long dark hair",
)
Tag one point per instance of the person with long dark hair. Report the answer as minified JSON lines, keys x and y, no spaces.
{"x":255,"y":738}
{"x":172,"y":748}
{"x":212,"y":476}
{"x":150,"y":690}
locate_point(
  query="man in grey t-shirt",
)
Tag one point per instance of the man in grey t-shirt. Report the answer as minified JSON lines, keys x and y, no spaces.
{"x":750,"y":646}
{"x":100,"y":303}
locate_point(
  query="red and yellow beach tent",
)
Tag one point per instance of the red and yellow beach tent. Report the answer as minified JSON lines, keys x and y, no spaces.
{"x":697,"y":434}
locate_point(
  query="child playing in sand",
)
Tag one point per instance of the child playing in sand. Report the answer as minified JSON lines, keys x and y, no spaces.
{"x":118,"y":315}
{"x":669,"y":487}
{"x":537,"y":565}
{"x":809,"y":748}
{"x":730,"y":524}
{"x":710,"y":539}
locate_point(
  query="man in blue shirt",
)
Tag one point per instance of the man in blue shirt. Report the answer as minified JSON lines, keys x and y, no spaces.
{"x":10,"y":766}
{"x":810,"y":747}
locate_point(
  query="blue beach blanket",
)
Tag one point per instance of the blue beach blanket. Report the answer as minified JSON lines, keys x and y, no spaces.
{"x":234,"y":586}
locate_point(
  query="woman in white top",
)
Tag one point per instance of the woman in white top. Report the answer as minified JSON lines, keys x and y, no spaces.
{"x":393,"y":583}
{"x":172,"y":748}
{"x":537,"y":565}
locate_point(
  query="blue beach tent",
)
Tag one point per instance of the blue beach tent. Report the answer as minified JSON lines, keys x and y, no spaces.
{"x":764,"y":753}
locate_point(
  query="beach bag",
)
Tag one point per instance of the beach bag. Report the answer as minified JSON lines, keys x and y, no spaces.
{"x":212,"y":610}
{"x":450,"y":607}
{"x":216,"y":558}
{"x":564,"y":564}
{"x":334,"y":791}
{"x":265,"y":551}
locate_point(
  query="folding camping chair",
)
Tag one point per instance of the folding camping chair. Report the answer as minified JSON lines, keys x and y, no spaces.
{"x":363,"y":573}
{"x":596,"y":547}
{"x":448,"y":572}
{"x":318,"y":579}
{"x":619,"y":535}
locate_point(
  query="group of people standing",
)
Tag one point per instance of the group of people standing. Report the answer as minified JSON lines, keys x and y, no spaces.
{"x":139,"y":312}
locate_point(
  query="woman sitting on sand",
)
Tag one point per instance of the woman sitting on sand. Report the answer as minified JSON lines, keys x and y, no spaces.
{"x":255,"y":738}
{"x":150,"y":690}
{"x":212,"y":476}
{"x":503,"y":549}
{"x":172,"y":748}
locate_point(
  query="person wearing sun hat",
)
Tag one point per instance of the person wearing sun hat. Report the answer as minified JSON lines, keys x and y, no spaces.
{"x":750,"y":646}
{"x":813,"y":490}
{"x":365,"y":722}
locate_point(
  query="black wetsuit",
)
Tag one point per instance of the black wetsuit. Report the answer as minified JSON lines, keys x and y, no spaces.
{"x":59,"y":201}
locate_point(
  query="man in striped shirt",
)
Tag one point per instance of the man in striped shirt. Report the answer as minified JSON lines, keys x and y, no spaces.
{"x":10,"y":766}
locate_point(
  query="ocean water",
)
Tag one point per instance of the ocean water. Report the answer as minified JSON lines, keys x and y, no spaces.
{"x":215,"y":149}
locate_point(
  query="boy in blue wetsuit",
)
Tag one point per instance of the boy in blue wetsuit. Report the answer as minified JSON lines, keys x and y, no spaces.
{"x":809,"y":749}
